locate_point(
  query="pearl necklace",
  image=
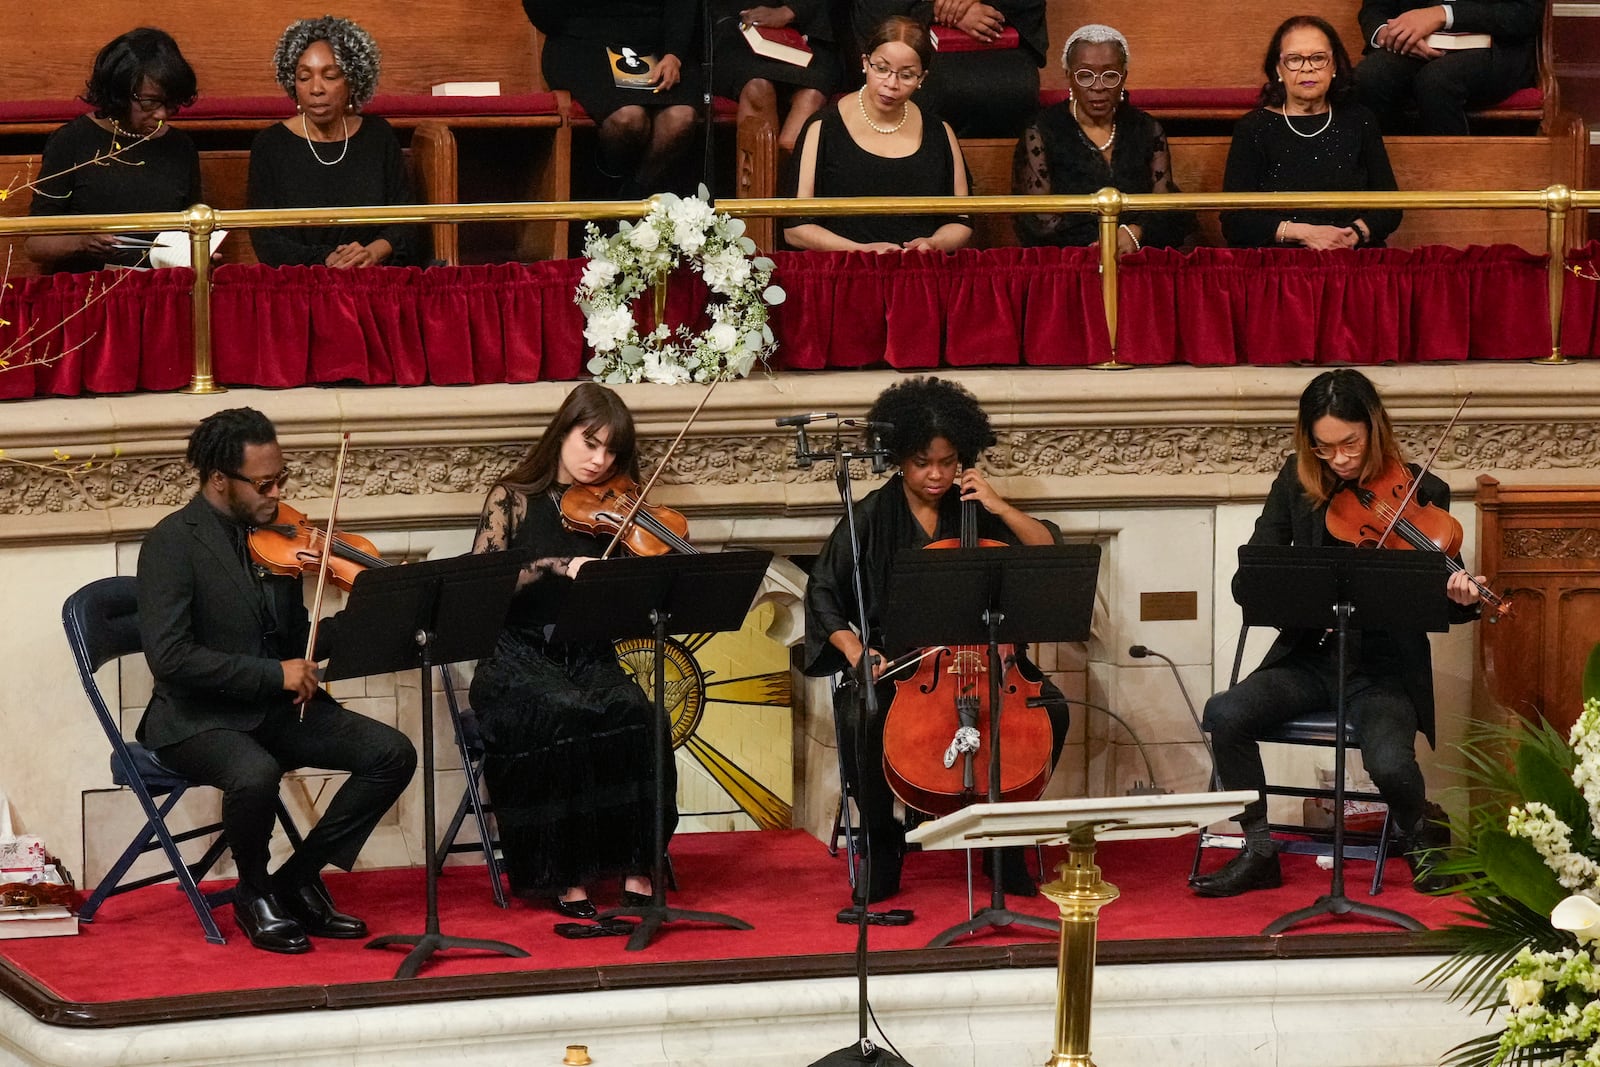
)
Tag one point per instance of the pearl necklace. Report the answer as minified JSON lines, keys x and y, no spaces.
{"x":1308,"y":136}
{"x":861,"y":102}
{"x":306,"y":128}
{"x":1097,"y":147}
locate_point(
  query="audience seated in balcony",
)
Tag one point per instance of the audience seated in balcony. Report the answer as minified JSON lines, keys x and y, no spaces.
{"x":328,"y":154}
{"x":623,"y":62}
{"x":877,"y":142}
{"x":758,"y":81}
{"x":122,"y":157}
{"x":987,"y":81}
{"x":1403,"y":67}
{"x":1308,"y":135}
{"x":1092,"y":140}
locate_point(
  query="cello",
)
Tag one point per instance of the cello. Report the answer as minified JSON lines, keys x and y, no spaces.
{"x":937,"y":731}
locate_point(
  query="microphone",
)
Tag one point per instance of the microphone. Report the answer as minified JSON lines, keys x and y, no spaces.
{"x":1140,"y":652}
{"x":810,"y":417}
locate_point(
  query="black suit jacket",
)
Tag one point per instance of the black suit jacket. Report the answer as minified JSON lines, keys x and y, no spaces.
{"x":1289,"y":518}
{"x":213,"y":633}
{"x":1514,"y":24}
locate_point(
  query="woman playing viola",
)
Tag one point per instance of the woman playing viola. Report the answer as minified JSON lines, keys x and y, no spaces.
{"x":1342,"y":438}
{"x":938,"y":431}
{"x":566,"y":731}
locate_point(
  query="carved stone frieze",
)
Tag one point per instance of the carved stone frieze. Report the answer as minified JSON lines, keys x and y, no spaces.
{"x":1073,"y":452}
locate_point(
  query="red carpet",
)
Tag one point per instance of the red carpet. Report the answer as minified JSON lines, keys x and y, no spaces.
{"x":147,"y":943}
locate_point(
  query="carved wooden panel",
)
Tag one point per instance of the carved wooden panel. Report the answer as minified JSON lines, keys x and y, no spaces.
{"x":1540,"y":544}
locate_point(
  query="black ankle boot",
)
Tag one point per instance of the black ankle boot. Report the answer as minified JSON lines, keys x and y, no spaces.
{"x":1423,"y":846}
{"x":1245,"y":872}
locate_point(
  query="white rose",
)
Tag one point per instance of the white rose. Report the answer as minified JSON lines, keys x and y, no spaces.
{"x":608,"y":328}
{"x":644,"y":238}
{"x":722,"y":337}
{"x":1523,"y":992}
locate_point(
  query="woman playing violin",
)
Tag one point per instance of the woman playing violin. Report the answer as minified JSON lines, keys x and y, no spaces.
{"x":1343,"y":439}
{"x":937,"y":433}
{"x":566,"y":731}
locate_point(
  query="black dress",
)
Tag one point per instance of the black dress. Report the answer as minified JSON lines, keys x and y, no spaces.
{"x":566,"y":731}
{"x":885,"y":526}
{"x":286,"y":170}
{"x":1274,"y":153}
{"x":734,"y":63}
{"x":844,"y":168}
{"x":577,"y":36}
{"x":1055,"y":156}
{"x":990,"y":93}
{"x":161,"y":174}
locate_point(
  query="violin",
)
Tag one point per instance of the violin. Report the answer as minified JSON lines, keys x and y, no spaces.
{"x":1383,"y":512}
{"x":618,"y":504}
{"x":936,"y":727}
{"x":292,"y":545}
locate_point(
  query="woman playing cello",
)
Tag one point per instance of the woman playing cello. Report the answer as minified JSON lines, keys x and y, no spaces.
{"x":937,"y":433}
{"x":1343,"y":440}
{"x":566,"y":731}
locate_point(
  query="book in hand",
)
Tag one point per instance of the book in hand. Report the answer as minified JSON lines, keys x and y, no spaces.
{"x":954,"y":39}
{"x":783,"y":43}
{"x":1452,"y":41}
{"x":633,"y":70}
{"x":171,"y":248}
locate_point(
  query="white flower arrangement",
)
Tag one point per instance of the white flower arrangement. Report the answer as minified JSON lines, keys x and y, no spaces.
{"x":677,"y":232}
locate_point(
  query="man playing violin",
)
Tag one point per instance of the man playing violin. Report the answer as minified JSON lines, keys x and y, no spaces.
{"x":236,"y":703}
{"x":937,"y":432}
{"x":1342,"y":438}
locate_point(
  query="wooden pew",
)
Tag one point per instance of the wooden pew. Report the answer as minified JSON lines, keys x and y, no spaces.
{"x":1203,"y":60}
{"x":224,"y":175}
{"x":1444,"y":163}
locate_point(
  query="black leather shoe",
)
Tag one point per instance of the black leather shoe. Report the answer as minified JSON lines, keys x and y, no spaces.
{"x":1422,"y":848}
{"x":576,"y":909}
{"x":1246,"y":871}
{"x":630,"y":899}
{"x":313,"y":909}
{"x":267,"y":923}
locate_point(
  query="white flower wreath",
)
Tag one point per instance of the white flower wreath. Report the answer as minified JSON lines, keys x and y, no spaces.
{"x":625,"y":265}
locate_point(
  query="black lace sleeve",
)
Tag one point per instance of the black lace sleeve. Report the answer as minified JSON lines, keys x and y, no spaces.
{"x":504,"y":511}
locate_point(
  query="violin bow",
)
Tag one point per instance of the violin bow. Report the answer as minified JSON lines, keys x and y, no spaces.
{"x":633,"y":509}
{"x":327,"y":552}
{"x":1417,"y":481}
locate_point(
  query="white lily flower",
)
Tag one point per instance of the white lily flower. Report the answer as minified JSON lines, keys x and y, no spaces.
{"x":1577,"y":914}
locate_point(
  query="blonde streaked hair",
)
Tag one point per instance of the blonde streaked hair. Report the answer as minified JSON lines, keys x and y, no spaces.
{"x":1347,"y":395}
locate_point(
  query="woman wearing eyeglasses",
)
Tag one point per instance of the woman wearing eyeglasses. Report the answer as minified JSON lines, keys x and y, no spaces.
{"x":1093,"y":140}
{"x":1342,"y":436}
{"x":138,"y":82}
{"x":876,"y":142}
{"x":1308,"y":135}
{"x":990,"y":52}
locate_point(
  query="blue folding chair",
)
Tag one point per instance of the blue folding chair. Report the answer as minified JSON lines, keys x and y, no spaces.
{"x":102,"y":624}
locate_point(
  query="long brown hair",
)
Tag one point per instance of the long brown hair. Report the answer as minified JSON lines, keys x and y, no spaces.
{"x":592,"y":407}
{"x":1349,"y":396}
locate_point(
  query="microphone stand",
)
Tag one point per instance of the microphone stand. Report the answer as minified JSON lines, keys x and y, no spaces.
{"x":863,"y":1050}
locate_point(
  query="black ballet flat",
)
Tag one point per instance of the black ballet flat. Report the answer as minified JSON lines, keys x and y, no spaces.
{"x":577,"y":909}
{"x":631,"y":899}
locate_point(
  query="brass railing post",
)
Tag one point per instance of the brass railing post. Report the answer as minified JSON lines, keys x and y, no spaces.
{"x":201,"y":221}
{"x":1108,"y":202}
{"x":1557,"y":202}
{"x":1080,"y":893}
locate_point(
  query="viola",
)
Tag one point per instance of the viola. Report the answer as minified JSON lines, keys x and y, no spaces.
{"x":604,"y":508}
{"x":1383,"y":512}
{"x":937,"y":732}
{"x":292,"y":545}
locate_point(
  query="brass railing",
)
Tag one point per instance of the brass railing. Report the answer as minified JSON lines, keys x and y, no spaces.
{"x":1556,"y":201}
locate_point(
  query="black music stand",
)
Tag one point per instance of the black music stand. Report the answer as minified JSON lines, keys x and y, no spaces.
{"x":1014,"y":595}
{"x":638,"y":597}
{"x":1326,"y":588}
{"x":422,"y":615}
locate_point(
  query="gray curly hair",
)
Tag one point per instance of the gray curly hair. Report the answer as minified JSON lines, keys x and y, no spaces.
{"x":353,"y":49}
{"x":1094,"y":33}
